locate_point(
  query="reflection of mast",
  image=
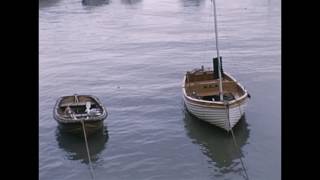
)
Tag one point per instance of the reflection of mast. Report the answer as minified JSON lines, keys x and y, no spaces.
{"x":215,"y":143}
{"x":75,"y":146}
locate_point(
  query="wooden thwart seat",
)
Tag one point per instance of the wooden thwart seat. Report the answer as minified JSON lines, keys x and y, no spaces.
{"x":75,"y":104}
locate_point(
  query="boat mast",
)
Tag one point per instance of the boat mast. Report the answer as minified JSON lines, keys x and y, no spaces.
{"x":217,"y":46}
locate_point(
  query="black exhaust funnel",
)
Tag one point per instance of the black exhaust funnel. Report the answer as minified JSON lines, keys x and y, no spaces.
{"x":215,"y":68}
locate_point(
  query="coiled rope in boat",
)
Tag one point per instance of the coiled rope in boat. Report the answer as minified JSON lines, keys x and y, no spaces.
{"x":234,"y":140}
{"x":87,"y":147}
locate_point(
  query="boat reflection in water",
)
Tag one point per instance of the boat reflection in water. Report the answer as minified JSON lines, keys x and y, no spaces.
{"x":76,"y":148}
{"x":130,"y":1}
{"x":47,"y":3}
{"x":95,"y":2}
{"x":188,"y":3}
{"x":216,"y":143}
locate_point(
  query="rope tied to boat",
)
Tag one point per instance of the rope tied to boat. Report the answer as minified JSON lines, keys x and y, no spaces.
{"x":87,"y":147}
{"x":226,"y":103}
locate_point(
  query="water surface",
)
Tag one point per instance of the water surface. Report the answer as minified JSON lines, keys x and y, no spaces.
{"x":133,"y":54}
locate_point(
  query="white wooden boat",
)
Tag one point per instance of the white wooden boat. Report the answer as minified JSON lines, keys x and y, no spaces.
{"x":201,"y":97}
{"x":214,"y":96}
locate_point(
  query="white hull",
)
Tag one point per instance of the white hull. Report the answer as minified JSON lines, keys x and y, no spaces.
{"x":217,"y":116}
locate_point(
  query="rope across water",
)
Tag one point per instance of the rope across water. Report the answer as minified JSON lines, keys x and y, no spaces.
{"x":226,"y":103}
{"x":87,"y":147}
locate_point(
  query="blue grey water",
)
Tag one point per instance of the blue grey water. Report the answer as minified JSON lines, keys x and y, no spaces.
{"x":133,"y":54}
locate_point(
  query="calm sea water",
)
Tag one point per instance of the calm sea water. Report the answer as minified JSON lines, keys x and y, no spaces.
{"x":133,"y":54}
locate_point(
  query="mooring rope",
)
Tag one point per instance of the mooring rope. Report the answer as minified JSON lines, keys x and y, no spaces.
{"x":234,"y":140}
{"x":87,"y":147}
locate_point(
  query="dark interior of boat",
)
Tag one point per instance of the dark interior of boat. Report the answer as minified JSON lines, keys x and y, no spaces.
{"x":200,"y":84}
{"x":77,"y":105}
{"x":78,"y":109}
{"x":226,"y":96}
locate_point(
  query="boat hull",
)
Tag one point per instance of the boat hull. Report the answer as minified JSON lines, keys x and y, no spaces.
{"x":76,"y":128}
{"x":217,"y":116}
